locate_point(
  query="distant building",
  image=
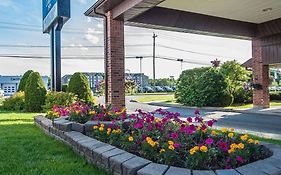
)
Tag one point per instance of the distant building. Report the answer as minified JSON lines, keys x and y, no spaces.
{"x":10,"y":84}
{"x":95,"y":78}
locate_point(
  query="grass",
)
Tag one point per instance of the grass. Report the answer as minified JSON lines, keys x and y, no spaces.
{"x":151,"y":98}
{"x":247,"y":106}
{"x":25,"y":149}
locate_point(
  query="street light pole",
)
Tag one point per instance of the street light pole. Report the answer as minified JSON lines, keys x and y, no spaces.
{"x":154,"y":37}
{"x":181,"y":60}
{"x":140,"y":69}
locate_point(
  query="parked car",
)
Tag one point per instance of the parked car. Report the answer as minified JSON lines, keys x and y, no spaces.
{"x":2,"y":93}
{"x":148,"y":89}
{"x":159,"y":89}
{"x":168,"y":89}
{"x":174,"y":88}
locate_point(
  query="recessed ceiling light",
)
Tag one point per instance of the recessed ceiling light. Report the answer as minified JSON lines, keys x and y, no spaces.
{"x":267,"y":9}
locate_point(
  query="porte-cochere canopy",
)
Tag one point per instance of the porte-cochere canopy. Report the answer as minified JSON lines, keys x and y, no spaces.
{"x":256,"y":20}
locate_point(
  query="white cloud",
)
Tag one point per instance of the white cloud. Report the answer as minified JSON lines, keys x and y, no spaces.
{"x":91,"y":37}
{"x":83,"y":1}
{"x":89,"y":19}
{"x":9,"y":4}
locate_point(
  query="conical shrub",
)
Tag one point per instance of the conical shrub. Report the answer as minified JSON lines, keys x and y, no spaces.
{"x":79,"y":86}
{"x":23,"y":80}
{"x":35,"y":93}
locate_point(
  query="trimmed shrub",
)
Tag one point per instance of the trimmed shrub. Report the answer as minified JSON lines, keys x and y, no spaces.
{"x":130,"y":87}
{"x":35,"y":93}
{"x":23,"y":80}
{"x":79,"y":86}
{"x":60,"y":99}
{"x":275,"y":96}
{"x":203,"y":87}
{"x":64,"y":88}
{"x":15,"y":102}
{"x":243,"y":96}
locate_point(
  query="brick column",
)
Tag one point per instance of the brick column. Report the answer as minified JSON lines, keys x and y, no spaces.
{"x":260,"y":76}
{"x":115,"y":63}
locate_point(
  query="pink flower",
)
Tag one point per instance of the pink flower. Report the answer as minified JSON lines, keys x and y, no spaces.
{"x":189,"y":119}
{"x":176,"y":145}
{"x":138,"y":125}
{"x":209,"y":141}
{"x":174,"y":135}
{"x":222,"y":145}
{"x":239,"y":159}
{"x":197,"y":112}
{"x":210,"y":123}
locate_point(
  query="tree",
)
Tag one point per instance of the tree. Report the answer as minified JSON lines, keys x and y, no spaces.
{"x":35,"y":93}
{"x":235,"y":74}
{"x":79,"y":85}
{"x":23,"y":80}
{"x":203,"y":87}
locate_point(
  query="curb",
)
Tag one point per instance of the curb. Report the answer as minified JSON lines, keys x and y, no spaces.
{"x":120,"y":162}
{"x":213,"y":109}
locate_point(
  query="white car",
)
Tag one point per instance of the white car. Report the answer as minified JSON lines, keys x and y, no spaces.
{"x":1,"y":93}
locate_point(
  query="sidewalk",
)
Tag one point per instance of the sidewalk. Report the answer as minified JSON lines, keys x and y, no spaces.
{"x":276,"y":111}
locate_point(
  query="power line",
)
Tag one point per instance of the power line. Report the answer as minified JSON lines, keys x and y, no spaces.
{"x":67,"y":46}
{"x":193,"y":52}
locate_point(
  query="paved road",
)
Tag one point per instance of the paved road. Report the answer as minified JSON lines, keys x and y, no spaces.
{"x":266,"y":126}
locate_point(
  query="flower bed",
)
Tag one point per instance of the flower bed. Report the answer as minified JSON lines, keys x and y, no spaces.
{"x":162,"y":137}
{"x":81,"y":113}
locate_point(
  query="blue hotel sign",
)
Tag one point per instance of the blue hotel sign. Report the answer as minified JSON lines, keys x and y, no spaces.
{"x":52,"y":11}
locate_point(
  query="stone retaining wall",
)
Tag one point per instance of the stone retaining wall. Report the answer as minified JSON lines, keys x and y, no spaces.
{"x":120,"y":162}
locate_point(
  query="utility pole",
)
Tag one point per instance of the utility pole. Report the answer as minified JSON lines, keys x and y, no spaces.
{"x":140,"y":57}
{"x":181,"y":60}
{"x":154,"y":37}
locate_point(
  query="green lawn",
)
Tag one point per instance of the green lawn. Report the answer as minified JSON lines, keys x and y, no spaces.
{"x":25,"y":149}
{"x":159,"y":97}
{"x":246,"y":106}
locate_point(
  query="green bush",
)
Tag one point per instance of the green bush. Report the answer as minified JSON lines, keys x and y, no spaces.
{"x":35,"y":93}
{"x":79,"y":86}
{"x":275,"y":95}
{"x":15,"y":102}
{"x":64,"y":88}
{"x":203,"y":87}
{"x":243,"y":96}
{"x":58,"y":98}
{"x":130,"y":87}
{"x":23,"y":80}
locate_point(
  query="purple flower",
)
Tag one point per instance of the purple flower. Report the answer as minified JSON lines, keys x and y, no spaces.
{"x":222,"y":145}
{"x":189,"y":119}
{"x":239,"y":159}
{"x":138,"y":125}
{"x":174,"y":135}
{"x":209,"y":141}
{"x":197,"y":112}
{"x":176,"y":145}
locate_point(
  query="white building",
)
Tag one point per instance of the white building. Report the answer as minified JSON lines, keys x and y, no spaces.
{"x":10,"y":84}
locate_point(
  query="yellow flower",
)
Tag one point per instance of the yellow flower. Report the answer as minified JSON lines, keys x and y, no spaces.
{"x":230,"y":135}
{"x":101,"y":129}
{"x":214,"y":133}
{"x":224,"y":130}
{"x":244,"y":137}
{"x":203,"y":149}
{"x":198,"y":128}
{"x":95,"y":127}
{"x":118,"y":131}
{"x":196,"y":148}
{"x":131,"y":139}
{"x":233,"y":146}
{"x":250,"y":141}
{"x":92,"y":112}
{"x":192,"y":151}
{"x":102,"y":125}
{"x":171,"y":147}
{"x":162,"y":150}
{"x":148,"y":139}
{"x":170,"y":142}
{"x":257,"y":142}
{"x":241,"y":146}
{"x":231,"y":151}
{"x":231,"y":129}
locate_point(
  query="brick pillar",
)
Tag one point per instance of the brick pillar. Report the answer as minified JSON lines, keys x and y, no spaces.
{"x":115,"y":63}
{"x":260,"y":76}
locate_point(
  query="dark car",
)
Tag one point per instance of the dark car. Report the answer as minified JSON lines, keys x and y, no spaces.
{"x":148,"y":89}
{"x":159,"y":89}
{"x":168,"y":89}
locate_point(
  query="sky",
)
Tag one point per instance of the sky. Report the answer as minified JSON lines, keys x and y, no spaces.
{"x":82,"y":41}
